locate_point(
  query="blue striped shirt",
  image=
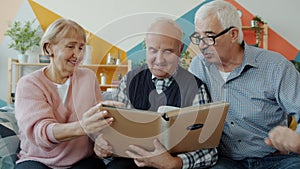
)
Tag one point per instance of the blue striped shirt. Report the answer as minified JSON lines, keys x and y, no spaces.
{"x":260,"y":92}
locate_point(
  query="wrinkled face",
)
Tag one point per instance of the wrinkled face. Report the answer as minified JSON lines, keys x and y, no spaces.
{"x":162,"y":55}
{"x":67,"y":54}
{"x":217,"y":52}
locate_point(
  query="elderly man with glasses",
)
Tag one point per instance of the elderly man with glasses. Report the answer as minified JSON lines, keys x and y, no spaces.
{"x":260,"y":85}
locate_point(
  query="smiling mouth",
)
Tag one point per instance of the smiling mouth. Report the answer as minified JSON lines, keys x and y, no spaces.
{"x":73,"y":62}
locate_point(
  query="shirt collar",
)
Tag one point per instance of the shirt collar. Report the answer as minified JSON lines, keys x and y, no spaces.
{"x":249,"y":58}
{"x":167,"y":81}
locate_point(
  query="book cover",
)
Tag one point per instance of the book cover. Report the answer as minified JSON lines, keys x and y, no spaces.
{"x":178,"y":129}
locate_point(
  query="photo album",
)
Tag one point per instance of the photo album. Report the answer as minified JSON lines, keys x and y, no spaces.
{"x":178,"y":129}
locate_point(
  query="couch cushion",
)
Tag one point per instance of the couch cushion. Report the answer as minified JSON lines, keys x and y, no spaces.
{"x":9,"y":141}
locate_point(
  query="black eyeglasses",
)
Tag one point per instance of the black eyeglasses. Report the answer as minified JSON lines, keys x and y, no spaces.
{"x":208,"y":40}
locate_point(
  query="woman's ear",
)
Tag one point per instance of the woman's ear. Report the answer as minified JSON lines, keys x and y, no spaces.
{"x":48,"y":49}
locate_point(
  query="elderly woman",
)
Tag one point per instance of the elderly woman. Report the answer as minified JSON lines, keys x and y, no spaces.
{"x":57,"y":107}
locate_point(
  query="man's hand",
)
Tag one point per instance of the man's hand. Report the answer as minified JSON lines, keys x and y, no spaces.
{"x":159,"y":158}
{"x":284,"y":139}
{"x":101,"y":148}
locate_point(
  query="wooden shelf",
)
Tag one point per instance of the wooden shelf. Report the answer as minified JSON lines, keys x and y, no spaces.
{"x":263,"y":34}
{"x":111,"y":72}
{"x":15,"y":62}
{"x":107,"y":86}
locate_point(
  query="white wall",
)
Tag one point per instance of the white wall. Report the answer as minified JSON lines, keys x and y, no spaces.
{"x":116,"y":20}
{"x":282,"y":16}
{"x":24,"y":13}
{"x":113,"y":20}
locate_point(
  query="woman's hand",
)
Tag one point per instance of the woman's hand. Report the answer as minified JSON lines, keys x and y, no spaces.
{"x":94,"y":120}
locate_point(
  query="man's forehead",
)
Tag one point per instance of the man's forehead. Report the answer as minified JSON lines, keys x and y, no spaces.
{"x":162,"y":36}
{"x":206,"y":25}
{"x":165,"y":29}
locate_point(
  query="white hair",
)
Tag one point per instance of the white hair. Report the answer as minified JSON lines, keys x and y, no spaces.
{"x":226,"y":13}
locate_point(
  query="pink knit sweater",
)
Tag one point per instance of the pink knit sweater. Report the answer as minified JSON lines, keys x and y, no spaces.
{"x":38,"y":108}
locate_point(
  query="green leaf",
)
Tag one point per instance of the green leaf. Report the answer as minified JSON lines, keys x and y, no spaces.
{"x":23,"y":35}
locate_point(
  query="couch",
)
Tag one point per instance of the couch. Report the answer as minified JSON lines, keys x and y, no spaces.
{"x":9,"y":141}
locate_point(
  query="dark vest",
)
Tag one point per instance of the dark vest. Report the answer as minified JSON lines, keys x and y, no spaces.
{"x":142,"y":93}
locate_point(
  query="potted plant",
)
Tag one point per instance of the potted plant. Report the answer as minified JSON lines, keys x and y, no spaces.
{"x":185,"y":59}
{"x":257,"y":21}
{"x":24,"y":37}
{"x":256,"y":24}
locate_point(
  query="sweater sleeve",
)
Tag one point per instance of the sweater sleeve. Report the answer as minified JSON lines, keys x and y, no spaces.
{"x":97,"y":90}
{"x":34,"y":113}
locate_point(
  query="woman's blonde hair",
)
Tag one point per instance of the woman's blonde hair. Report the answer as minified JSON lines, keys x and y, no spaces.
{"x":59,"y":29}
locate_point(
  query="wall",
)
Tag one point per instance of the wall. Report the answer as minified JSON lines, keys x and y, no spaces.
{"x":23,"y":12}
{"x":280,"y":15}
{"x":276,"y":41}
{"x":122,"y":23}
{"x":8,"y":12}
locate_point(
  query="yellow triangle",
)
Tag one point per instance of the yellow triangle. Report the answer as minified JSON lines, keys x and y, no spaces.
{"x":44,"y":16}
{"x":100,"y":48}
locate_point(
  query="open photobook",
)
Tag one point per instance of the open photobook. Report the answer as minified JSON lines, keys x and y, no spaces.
{"x":178,"y":129}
